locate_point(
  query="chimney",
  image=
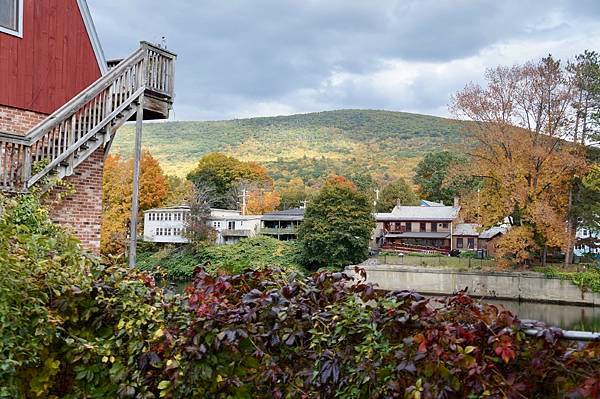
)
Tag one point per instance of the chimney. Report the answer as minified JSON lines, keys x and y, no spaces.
{"x":456,"y":202}
{"x":398,"y":202}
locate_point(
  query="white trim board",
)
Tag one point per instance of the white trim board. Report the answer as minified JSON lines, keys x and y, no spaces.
{"x":19,"y":31}
{"x":93,"y":35}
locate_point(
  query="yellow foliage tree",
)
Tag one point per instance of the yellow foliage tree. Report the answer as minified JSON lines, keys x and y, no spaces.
{"x":116,"y":197}
{"x":520,"y":122}
{"x":260,"y":202}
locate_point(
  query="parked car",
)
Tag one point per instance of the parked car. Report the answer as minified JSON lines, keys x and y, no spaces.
{"x":455,"y":253}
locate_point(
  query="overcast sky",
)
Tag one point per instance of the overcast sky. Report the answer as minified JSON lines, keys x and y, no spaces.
{"x":244,"y":58}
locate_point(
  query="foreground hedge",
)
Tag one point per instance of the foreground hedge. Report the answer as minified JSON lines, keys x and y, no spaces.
{"x":71,"y":328}
{"x":265,"y":335}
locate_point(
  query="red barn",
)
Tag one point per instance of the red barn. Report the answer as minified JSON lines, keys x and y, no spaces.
{"x":61,"y":103}
{"x":50,"y":52}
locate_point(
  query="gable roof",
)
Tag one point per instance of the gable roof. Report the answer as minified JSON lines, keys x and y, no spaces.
{"x":431,"y":203}
{"x":466,"y":229}
{"x":493,"y":232}
{"x":93,"y":35}
{"x":423,"y":212}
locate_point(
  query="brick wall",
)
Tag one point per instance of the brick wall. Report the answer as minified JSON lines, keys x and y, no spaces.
{"x":18,"y":121}
{"x":82,"y":211}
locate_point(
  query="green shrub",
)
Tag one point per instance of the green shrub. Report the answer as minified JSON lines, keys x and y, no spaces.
{"x":41,"y":266}
{"x":588,"y":280}
{"x":70,"y":327}
{"x":179,"y":263}
{"x":266,"y":334}
{"x":255,"y":253}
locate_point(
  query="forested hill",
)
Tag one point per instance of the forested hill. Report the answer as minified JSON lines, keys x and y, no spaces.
{"x":380,"y":144}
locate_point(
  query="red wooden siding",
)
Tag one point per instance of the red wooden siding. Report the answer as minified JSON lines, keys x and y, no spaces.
{"x":53,"y":61}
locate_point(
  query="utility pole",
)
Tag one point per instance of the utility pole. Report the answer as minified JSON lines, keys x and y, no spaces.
{"x":376,"y":197}
{"x":244,"y":202}
{"x":136,"y":181}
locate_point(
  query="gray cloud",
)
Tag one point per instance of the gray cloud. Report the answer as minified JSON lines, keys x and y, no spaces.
{"x":240,"y":57}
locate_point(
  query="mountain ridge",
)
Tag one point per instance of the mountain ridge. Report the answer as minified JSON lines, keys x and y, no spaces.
{"x":379,"y":143}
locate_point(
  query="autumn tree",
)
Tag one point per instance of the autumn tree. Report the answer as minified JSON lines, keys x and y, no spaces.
{"x":180,"y":191}
{"x":442,"y":175}
{"x":337,"y":226}
{"x":261,"y":202}
{"x":227,"y":177}
{"x":520,"y":122}
{"x":116,"y":197}
{"x":294,"y":193}
{"x":394,"y":192}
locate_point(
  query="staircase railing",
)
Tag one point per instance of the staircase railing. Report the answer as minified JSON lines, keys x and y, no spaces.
{"x":63,"y":136}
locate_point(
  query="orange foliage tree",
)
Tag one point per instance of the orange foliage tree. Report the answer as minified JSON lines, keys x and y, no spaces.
{"x":116,"y":197}
{"x":260,"y":202}
{"x":521,"y":120}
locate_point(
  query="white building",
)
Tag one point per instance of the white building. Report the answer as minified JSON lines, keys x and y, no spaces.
{"x":168,"y":225}
{"x":584,"y":238}
{"x":232,"y":226}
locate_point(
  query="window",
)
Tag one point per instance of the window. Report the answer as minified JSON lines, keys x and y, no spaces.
{"x":445,"y":225}
{"x":459,"y":242}
{"x":231,"y":225}
{"x":397,"y":226}
{"x":423,"y":227}
{"x":471,"y":243}
{"x":11,"y":17}
{"x":434,"y":227}
{"x":408,"y":226}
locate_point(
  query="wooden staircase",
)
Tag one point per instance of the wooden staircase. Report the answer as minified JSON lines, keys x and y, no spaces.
{"x":61,"y":142}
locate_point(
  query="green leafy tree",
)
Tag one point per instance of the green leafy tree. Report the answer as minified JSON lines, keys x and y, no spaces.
{"x":224,"y":175}
{"x":439,"y":177}
{"x":337,"y":226}
{"x":394,"y":192}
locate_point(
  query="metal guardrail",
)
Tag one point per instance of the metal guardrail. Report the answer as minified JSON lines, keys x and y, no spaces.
{"x":280,"y":231}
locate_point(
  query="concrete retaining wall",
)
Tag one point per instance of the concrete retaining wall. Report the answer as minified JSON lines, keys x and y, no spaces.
{"x":524,"y":286}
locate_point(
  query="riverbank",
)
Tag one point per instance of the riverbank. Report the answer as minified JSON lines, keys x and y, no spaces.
{"x":515,"y":286}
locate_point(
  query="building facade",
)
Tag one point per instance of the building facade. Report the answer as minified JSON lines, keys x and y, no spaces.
{"x":431,"y":228}
{"x":169,"y":225}
{"x":423,"y":228}
{"x":60,"y":105}
{"x":282,"y":225}
{"x":588,"y":243}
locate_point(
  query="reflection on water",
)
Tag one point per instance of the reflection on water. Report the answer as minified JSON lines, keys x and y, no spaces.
{"x":567,"y":317}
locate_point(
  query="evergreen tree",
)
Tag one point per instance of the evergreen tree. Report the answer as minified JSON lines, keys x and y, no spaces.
{"x":398,"y":190}
{"x":337,"y":226}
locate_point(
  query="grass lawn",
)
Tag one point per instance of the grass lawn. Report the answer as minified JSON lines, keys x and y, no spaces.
{"x":438,"y":262}
{"x":465,"y":263}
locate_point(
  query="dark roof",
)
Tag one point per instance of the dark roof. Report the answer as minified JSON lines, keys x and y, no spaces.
{"x":424,"y":235}
{"x":288,"y":214}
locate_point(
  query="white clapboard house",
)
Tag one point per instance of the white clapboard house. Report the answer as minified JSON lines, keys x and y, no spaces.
{"x":168,"y":225}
